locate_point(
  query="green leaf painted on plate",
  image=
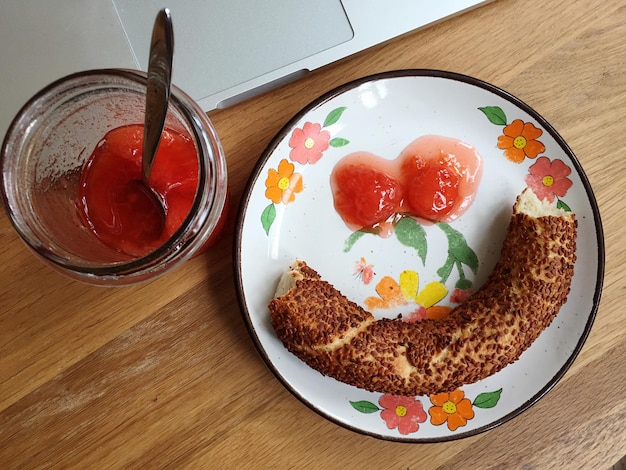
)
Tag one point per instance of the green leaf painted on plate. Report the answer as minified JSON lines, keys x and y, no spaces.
{"x":463,"y":284}
{"x":495,"y":115}
{"x":561,"y":205}
{"x":351,"y":240}
{"x":411,"y":234}
{"x":458,"y":247}
{"x":338,"y":142}
{"x":487,"y":400}
{"x":445,"y":271}
{"x":334,"y":116}
{"x":364,"y":406}
{"x":267,"y":218}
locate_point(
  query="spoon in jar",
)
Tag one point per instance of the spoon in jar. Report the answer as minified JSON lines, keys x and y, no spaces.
{"x":147,"y":200}
{"x":158,"y":87}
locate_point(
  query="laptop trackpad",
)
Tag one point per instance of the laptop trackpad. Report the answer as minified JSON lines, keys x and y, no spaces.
{"x":223,"y":43}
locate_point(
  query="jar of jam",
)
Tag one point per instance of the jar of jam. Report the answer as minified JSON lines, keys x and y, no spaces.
{"x":75,"y":143}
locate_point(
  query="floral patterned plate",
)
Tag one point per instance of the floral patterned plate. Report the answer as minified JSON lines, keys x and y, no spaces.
{"x":421,"y":271}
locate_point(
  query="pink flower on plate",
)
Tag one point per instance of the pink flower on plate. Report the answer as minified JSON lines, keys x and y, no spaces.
{"x":308,"y":143}
{"x":404,"y":413}
{"x":548,"y":178}
{"x":416,"y":315}
{"x":460,"y":295}
{"x":364,"y":271}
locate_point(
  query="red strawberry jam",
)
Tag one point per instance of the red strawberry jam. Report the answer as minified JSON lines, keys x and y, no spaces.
{"x":112,"y":199}
{"x":433,"y":191}
{"x":434,"y":179}
{"x":441,"y":175}
{"x":365,"y":196}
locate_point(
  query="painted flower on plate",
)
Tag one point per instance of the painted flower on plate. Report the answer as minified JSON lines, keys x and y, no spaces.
{"x":403,"y":413}
{"x":308,"y":143}
{"x":519,"y":140}
{"x":451,"y":408}
{"x":548,"y":178}
{"x":393,"y":294}
{"x":460,"y":295}
{"x":283,"y":183}
{"x":364,"y":271}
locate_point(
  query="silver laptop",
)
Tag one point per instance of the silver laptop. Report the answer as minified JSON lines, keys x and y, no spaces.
{"x":225,"y":50}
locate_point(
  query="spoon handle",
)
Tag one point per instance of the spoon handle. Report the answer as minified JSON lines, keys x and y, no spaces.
{"x":158,"y":87}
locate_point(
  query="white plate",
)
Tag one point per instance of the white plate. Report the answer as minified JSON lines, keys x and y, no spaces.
{"x":381,"y":114}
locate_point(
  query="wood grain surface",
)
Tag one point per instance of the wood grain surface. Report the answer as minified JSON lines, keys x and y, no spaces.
{"x":165,"y":375}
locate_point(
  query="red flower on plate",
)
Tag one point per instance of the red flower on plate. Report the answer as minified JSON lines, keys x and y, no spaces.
{"x":404,"y":413}
{"x":548,"y":178}
{"x":308,"y":143}
{"x":460,"y":295}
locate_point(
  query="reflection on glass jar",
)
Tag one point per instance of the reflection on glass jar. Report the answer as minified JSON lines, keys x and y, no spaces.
{"x":43,"y":159}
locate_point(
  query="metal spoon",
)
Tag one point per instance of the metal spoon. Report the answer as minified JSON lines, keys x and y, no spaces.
{"x":145,"y":200}
{"x":158,"y":88}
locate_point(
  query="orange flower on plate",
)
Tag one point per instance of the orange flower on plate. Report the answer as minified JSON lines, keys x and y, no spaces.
{"x":392,"y":293}
{"x":451,"y":408}
{"x":519,"y":140}
{"x":283,"y":183}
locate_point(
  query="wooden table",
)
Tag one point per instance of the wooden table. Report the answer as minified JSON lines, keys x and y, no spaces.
{"x":164,"y":374}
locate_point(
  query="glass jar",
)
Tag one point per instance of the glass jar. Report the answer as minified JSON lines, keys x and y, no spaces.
{"x":46,"y":148}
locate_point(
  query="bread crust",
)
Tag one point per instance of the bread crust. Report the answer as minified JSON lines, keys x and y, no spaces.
{"x":481,"y":336}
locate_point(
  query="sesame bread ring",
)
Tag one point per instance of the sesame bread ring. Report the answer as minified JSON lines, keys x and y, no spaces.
{"x":478,"y":338}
